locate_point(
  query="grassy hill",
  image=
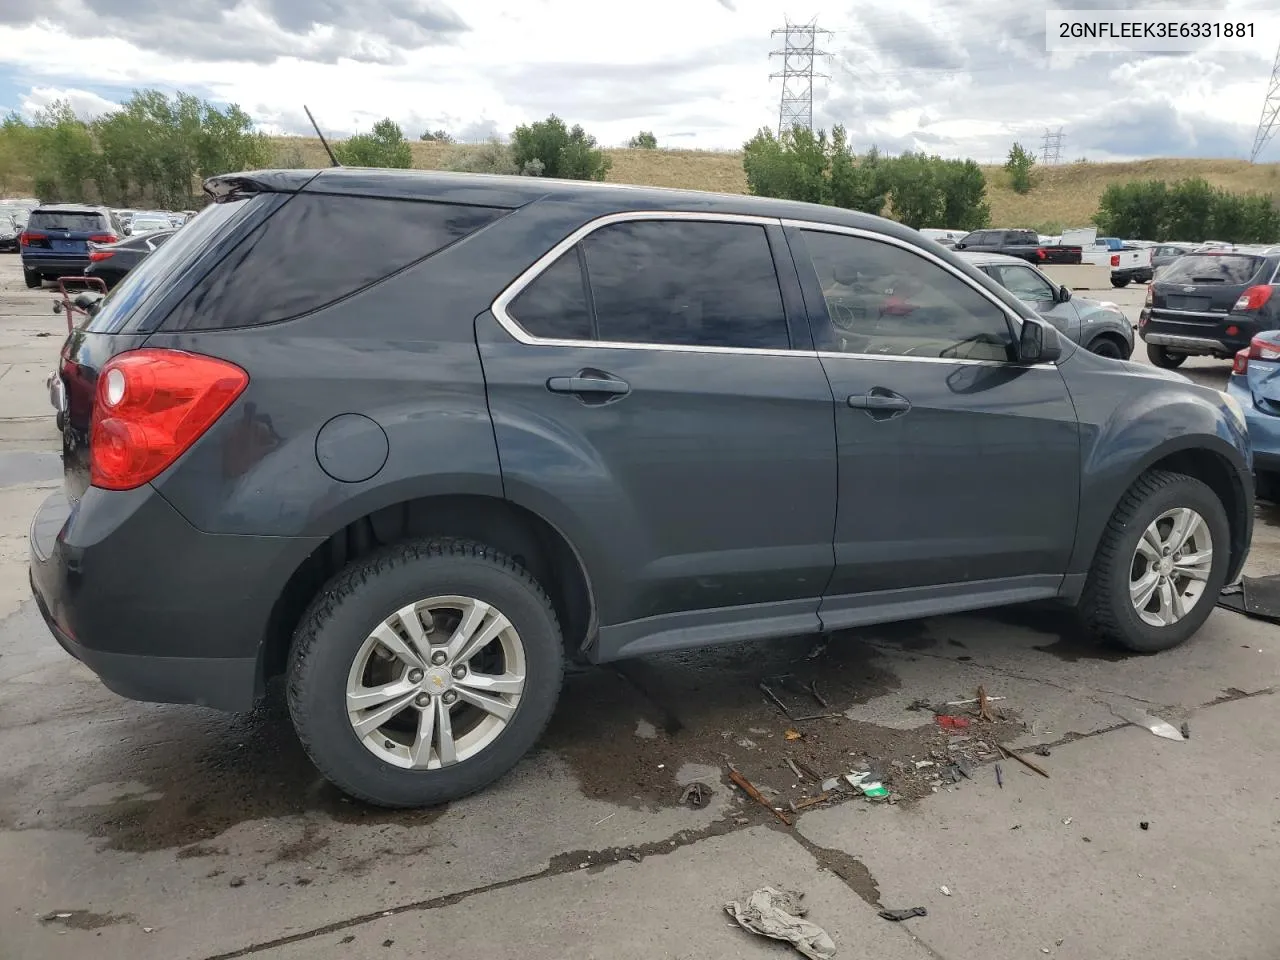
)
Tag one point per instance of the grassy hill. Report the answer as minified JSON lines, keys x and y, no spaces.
{"x":1062,"y":196}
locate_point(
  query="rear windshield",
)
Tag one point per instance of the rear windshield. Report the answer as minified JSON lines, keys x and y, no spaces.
{"x":154,"y":272}
{"x":1212,"y":268}
{"x":62,"y":220}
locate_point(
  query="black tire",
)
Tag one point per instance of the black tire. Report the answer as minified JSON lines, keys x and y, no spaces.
{"x":1118,"y":283}
{"x":1106,"y":347}
{"x":354,"y":602}
{"x":1105,"y":606}
{"x":34,"y":280}
{"x":1161,"y":357}
{"x":1266,"y":486}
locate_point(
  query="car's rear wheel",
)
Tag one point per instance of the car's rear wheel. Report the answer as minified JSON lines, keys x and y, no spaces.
{"x":1160,"y":565}
{"x":424,"y":672}
{"x":1118,"y":283}
{"x":1161,"y":357}
{"x":1106,"y":347}
{"x":34,"y":280}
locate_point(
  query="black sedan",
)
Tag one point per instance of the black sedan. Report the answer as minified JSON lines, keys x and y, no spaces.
{"x":111,"y":261}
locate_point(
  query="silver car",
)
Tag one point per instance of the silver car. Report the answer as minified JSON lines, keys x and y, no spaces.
{"x":1097,"y":325}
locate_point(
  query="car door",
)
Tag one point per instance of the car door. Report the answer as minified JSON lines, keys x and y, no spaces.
{"x":653,"y":397}
{"x":1034,"y":289}
{"x":959,"y":467}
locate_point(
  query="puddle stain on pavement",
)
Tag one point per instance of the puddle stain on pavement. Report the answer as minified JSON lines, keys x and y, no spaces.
{"x":1073,"y":643}
{"x":85,"y":920}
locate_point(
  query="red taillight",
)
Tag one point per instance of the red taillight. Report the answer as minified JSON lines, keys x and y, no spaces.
{"x":96,"y":255}
{"x":1254,"y":298}
{"x":150,"y":406}
{"x":1040,"y":254}
{"x":1265,"y":346}
{"x":1241,"y":363}
{"x":1151,"y":295}
{"x":1115,"y":259}
{"x":27,"y":236}
{"x":104,"y":238}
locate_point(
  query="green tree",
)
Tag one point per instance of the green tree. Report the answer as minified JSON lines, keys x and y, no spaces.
{"x":1019,"y":167}
{"x":437,"y":136}
{"x":383,"y":146}
{"x":570,"y":154}
{"x":916,"y":192}
{"x":1190,"y":208}
{"x":964,"y":196}
{"x":644,"y":140}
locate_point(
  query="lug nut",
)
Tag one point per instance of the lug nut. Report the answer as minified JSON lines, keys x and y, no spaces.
{"x":459,"y":672}
{"x":449,"y":696}
{"x":415,"y":676}
{"x":439,"y":657}
{"x":422,"y":700}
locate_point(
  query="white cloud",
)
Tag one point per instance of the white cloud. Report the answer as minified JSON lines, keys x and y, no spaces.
{"x":85,"y":103}
{"x":962,"y":80}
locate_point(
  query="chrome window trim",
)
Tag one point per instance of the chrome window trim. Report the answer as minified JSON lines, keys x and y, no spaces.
{"x":502,"y":302}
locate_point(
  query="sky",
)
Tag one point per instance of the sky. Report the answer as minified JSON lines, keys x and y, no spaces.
{"x":964,"y":78}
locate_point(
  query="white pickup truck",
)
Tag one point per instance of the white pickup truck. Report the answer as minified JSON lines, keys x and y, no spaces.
{"x":1128,"y":263}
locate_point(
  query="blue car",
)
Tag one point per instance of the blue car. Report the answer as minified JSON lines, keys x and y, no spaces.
{"x":1255,"y":385}
{"x":56,"y":240}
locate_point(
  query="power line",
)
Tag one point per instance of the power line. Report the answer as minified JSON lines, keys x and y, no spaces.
{"x":799,"y":54}
{"x":1270,"y":119}
{"x":1051,"y":146}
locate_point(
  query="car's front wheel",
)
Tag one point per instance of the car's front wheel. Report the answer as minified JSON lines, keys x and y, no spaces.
{"x":1107,"y":347}
{"x":1161,"y":357}
{"x":424,"y":672}
{"x":1160,"y":565}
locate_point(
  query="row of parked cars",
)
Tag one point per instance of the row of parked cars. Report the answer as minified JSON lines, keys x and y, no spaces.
{"x":59,"y":240}
{"x":565,"y":421}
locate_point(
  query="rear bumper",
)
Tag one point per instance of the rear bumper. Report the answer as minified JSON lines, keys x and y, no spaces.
{"x":1209,"y":337}
{"x":54,"y":266}
{"x":1134,"y":274}
{"x":158,"y":610}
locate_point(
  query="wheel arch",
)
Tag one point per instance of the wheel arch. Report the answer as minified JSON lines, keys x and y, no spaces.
{"x":515,"y":530}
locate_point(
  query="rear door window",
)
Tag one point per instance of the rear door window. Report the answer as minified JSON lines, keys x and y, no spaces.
{"x":554,"y":306}
{"x":1212,"y":268}
{"x":317,"y":249}
{"x":75,"y":222}
{"x":686,"y":283}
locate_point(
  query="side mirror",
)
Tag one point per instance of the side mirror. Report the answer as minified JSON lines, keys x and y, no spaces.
{"x":1064,"y":293}
{"x":1039,"y":342}
{"x":959,"y":245}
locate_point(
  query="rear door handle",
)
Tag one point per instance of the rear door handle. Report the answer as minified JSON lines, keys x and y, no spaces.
{"x":589,"y":386}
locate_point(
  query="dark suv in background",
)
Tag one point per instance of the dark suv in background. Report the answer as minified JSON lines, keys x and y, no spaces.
{"x":1210,"y":304}
{"x":562,"y":420}
{"x":56,"y":240}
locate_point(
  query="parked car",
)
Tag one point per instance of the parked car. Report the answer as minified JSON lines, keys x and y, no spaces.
{"x":607,"y":432}
{"x":9,"y":231}
{"x":1129,"y":263}
{"x":1209,"y":304}
{"x":947,"y":238}
{"x":148,"y":223}
{"x":111,"y":262}
{"x":1165,"y":253}
{"x":1023,"y":244}
{"x":1255,"y":385}
{"x":1098,"y":326}
{"x":56,"y":240}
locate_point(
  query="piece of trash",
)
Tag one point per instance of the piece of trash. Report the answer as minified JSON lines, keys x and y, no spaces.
{"x":780,"y":915}
{"x":984,"y":706}
{"x":1016,"y":826}
{"x":920,"y":704}
{"x":695,"y":795}
{"x":1145,"y":825}
{"x":793,"y":734}
{"x":821,"y":798}
{"x":830,"y":784}
{"x":662,"y":766}
{"x":387,"y":943}
{"x":603,"y":819}
{"x":1140,"y":718}
{"x":1057,"y":943}
{"x":795,"y":768}
{"x":906,"y":914}
{"x":1042,"y":751}
{"x":966,"y":769}
{"x":1067,"y":821}
{"x":1022,"y":760}
{"x":869,"y":786}
{"x":856,"y":778}
{"x":786,"y":681}
{"x":749,"y":788}
{"x":946,"y":891}
{"x":1185,"y":730}
{"x":921,"y":764}
{"x":965,"y":703}
{"x":1044,"y":949}
{"x":948,"y":722}
{"x":999,"y":777}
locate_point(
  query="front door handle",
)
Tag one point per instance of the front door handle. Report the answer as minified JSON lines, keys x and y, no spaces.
{"x":880,"y":403}
{"x":589,"y":386}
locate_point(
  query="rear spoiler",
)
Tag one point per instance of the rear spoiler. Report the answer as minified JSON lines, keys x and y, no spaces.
{"x":258,"y":181}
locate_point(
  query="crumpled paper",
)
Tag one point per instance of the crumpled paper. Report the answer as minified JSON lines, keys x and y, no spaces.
{"x":778,"y":914}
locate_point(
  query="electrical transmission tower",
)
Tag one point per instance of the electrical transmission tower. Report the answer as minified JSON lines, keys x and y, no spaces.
{"x":799,"y":55}
{"x":1051,"y":146}
{"x":1270,"y":112}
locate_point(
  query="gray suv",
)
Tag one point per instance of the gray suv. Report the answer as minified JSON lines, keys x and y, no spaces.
{"x":414,"y":439}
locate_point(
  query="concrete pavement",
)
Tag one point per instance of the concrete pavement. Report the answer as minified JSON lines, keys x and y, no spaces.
{"x":141,"y":832}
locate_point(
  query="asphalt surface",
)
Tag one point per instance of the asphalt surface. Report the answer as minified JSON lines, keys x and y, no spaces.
{"x":177,"y":833}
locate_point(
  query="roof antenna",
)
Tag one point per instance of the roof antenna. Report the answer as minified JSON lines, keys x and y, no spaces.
{"x":323,"y":141}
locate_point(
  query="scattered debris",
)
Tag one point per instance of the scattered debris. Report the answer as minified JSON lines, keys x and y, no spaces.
{"x":1145,"y":825}
{"x":1185,"y":730}
{"x":1058,"y":942}
{"x":787,"y":681}
{"x":965,"y":703}
{"x":966,"y":770}
{"x":921,"y":764}
{"x":946,"y":891}
{"x":906,"y":914}
{"x":1067,"y":821}
{"x":1016,"y":826}
{"x":1022,"y":760}
{"x":603,"y":819}
{"x":812,"y":801}
{"x":1042,"y":751}
{"x":984,"y":706}
{"x":919,"y":704}
{"x":779,"y":915}
{"x":696,"y":794}
{"x":949,"y":722}
{"x":749,"y":788}
{"x":793,"y":734}
{"x":869,"y":784}
{"x":795,"y":768}
{"x":999,"y":777}
{"x":830,"y":785}
{"x":1140,"y":718}
{"x":808,"y":770}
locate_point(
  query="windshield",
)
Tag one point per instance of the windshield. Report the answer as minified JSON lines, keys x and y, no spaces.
{"x":155,"y":272}
{"x":1212,"y":268}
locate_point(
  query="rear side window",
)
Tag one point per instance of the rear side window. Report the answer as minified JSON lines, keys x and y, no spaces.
{"x":1212,"y":268}
{"x":685,"y":283}
{"x":554,"y":306}
{"x":317,"y":249}
{"x":63,"y":220}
